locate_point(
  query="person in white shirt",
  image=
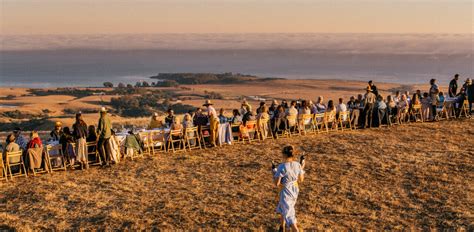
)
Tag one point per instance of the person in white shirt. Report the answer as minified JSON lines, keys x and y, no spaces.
{"x":213,"y":122}
{"x":341,"y":107}
{"x":292,"y":111}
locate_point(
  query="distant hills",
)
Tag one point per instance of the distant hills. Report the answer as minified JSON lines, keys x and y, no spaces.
{"x":208,"y":78}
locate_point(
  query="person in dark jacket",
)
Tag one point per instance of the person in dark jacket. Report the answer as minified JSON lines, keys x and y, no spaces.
{"x":56,"y":132}
{"x":80,"y":135}
{"x":66,"y":141}
{"x":470,"y":94}
{"x":453,"y":86}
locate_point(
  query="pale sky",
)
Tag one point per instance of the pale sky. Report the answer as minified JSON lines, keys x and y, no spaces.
{"x":235,"y":16}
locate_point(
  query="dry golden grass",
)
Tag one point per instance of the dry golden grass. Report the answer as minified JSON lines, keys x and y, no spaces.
{"x":417,"y":176}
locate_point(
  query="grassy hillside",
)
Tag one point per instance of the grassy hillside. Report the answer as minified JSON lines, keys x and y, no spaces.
{"x":406,"y":177}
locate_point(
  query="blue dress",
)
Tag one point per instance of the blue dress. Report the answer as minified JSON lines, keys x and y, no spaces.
{"x":289,"y":173}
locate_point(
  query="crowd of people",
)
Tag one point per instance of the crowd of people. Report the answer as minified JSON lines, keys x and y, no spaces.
{"x":364,"y":110}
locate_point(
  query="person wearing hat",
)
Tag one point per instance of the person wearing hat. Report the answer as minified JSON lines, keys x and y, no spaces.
{"x":155,"y":122}
{"x":453,"y":86}
{"x":80,"y":135}
{"x":104,"y":132}
{"x":369,"y":106}
{"x":56,"y":132}
{"x":11,"y":146}
{"x":213,"y":121}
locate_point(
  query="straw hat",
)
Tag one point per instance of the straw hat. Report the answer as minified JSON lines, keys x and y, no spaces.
{"x":58,"y":124}
{"x":207,"y":103}
{"x":103,"y":109}
{"x":469,"y":81}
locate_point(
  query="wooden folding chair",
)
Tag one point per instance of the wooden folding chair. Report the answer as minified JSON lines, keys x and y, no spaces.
{"x":263,"y":129}
{"x":251,"y":131}
{"x":306,"y":124}
{"x":145,"y":139}
{"x":464,"y":111}
{"x":319,"y":123}
{"x":175,"y":136}
{"x":94,"y":152}
{"x":344,"y":120}
{"x":441,"y":112}
{"x":205,"y":133}
{"x":236,"y":133}
{"x":191,"y":138}
{"x":45,"y":158}
{"x":330,"y":120}
{"x":417,"y":111}
{"x":292,"y":120}
{"x":55,"y":153}
{"x":13,"y":159}
{"x":3,"y":167}
{"x":157,"y":141}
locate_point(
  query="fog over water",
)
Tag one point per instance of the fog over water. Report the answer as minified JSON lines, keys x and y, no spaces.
{"x":89,"y":60}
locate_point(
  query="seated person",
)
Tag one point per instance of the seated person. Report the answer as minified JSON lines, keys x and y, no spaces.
{"x":320,"y":106}
{"x":200,"y":119}
{"x":170,"y":118}
{"x":11,"y":146}
{"x":155,"y":122}
{"x":249,"y":116}
{"x":132,"y":144}
{"x":222,"y":118}
{"x":341,"y":107}
{"x":34,"y":152}
{"x":56,"y":132}
{"x":187,"y":121}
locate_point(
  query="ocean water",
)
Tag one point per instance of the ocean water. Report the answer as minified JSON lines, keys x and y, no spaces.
{"x":54,"y":61}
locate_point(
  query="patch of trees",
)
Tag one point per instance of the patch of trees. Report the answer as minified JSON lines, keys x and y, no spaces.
{"x":145,"y":105}
{"x":75,"y":92}
{"x":213,"y":95}
{"x":205,"y":78}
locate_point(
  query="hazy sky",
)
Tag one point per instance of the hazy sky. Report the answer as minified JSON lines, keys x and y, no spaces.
{"x":235,"y":16}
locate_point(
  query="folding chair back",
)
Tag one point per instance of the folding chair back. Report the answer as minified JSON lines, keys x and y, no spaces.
{"x":417,"y":113}
{"x":251,"y":131}
{"x":15,"y":159}
{"x":319,"y":124}
{"x":306,"y":124}
{"x":292,"y":125}
{"x":464,"y":111}
{"x":191,"y":138}
{"x":205,"y":132}
{"x":54,"y":154}
{"x":344,"y":120}
{"x":157,"y":141}
{"x":175,"y":136}
{"x":45,"y":161}
{"x":263,"y":129}
{"x":330,"y":120}
{"x":145,"y":139}
{"x":93,"y":152}
{"x":235,"y":128}
{"x":3,"y":167}
{"x":441,"y":112}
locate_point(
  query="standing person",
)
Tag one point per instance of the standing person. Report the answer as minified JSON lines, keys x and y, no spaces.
{"x":80,"y":134}
{"x":56,"y":132}
{"x":470,"y":94}
{"x":373,"y":88}
{"x":369,"y":107}
{"x":453,"y":86}
{"x":286,"y":177}
{"x":213,"y":121}
{"x":104,"y":132}
{"x":434,"y":91}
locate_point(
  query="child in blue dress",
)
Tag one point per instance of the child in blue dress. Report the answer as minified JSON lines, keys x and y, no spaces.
{"x":286,"y":177}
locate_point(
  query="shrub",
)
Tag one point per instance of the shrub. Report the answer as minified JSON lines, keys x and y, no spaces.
{"x":108,"y":85}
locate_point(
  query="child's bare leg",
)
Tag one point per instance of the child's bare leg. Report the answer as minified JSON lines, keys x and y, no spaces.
{"x":294,"y":228}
